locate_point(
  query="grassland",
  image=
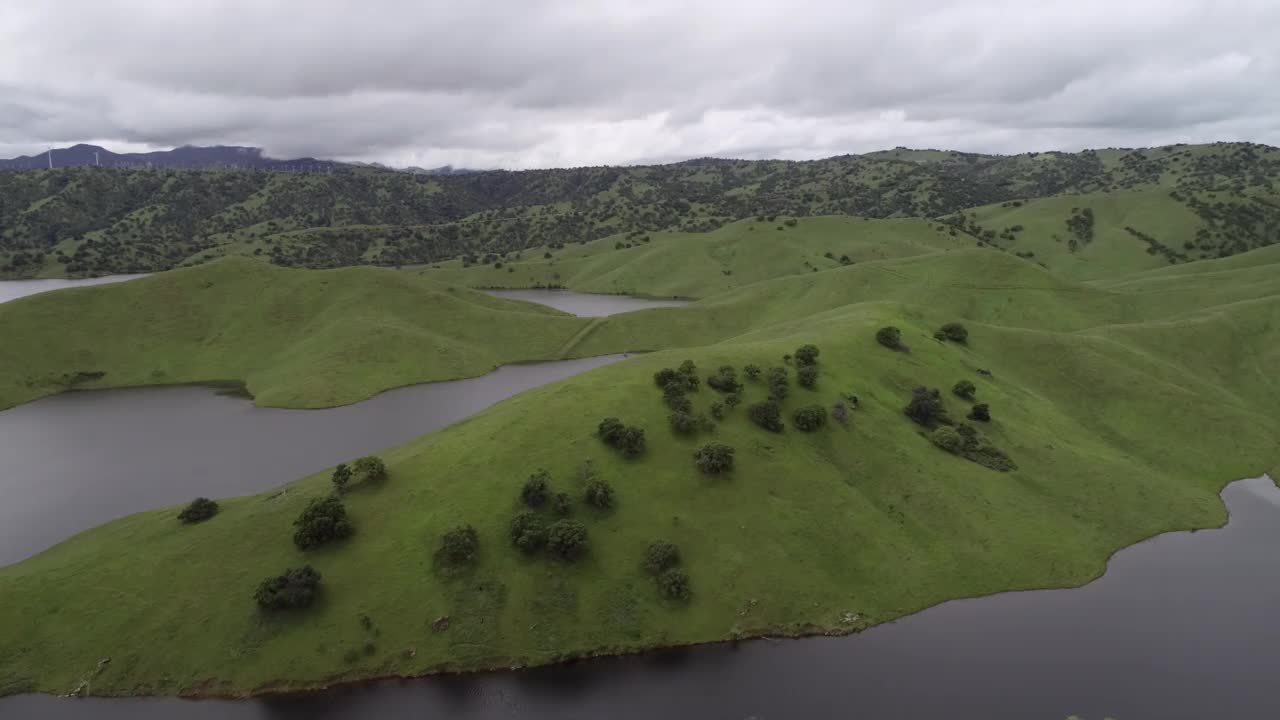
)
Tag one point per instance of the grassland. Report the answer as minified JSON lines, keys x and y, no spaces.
{"x":1126,"y":403}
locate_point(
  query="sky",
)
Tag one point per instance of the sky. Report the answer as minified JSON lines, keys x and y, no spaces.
{"x":550,"y":83}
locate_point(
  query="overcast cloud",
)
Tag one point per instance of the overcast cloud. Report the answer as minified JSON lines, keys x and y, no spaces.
{"x":538,"y":83}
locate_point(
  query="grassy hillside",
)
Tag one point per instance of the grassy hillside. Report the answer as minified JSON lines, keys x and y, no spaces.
{"x":1124,"y":407}
{"x":77,"y":221}
{"x":295,"y":338}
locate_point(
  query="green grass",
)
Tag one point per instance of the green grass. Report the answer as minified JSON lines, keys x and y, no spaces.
{"x":1126,"y":408}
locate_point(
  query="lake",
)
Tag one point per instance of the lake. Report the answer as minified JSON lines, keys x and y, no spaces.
{"x":585,"y":304}
{"x":14,"y":289}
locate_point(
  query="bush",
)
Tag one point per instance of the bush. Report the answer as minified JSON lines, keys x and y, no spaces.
{"x":890,"y":337}
{"x":677,"y":400}
{"x":610,"y":431}
{"x":322,"y":521}
{"x":661,"y":556}
{"x":537,"y":489}
{"x":632,"y":442}
{"x":460,"y":545}
{"x":807,"y":376}
{"x":562,"y":504}
{"x":598,"y":494}
{"x":980,"y":412}
{"x":964,"y":389}
{"x":809,"y":418}
{"x":567,"y":538}
{"x":767,"y":415}
{"x":840,"y":412}
{"x":725,"y":380}
{"x":341,"y":478}
{"x":666,"y":377}
{"x":948,"y":439}
{"x":674,"y":585}
{"x":732,"y":400}
{"x":717,"y":410}
{"x":296,"y":588}
{"x":807,"y":355}
{"x":198,"y":510}
{"x":370,"y":468}
{"x":714,"y":459}
{"x":629,"y":440}
{"x":752,"y":372}
{"x":926,"y":407}
{"x":953,"y":331}
{"x":683,"y":422}
{"x":528,"y":531}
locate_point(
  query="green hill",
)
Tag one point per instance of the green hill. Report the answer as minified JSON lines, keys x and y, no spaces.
{"x":78,"y":221}
{"x":1125,"y":405}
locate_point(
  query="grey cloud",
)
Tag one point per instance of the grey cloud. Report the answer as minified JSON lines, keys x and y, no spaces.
{"x":563,"y":82}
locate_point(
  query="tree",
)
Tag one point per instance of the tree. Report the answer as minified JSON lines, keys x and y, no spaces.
{"x":666,"y":377}
{"x":890,"y":337}
{"x":528,"y":531}
{"x":460,"y":545}
{"x":677,"y":400}
{"x":809,"y":418}
{"x":964,"y":389}
{"x":766,"y":414}
{"x":610,"y":431}
{"x":341,"y":478}
{"x":683,"y":422}
{"x":752,"y":372}
{"x":321,"y":521}
{"x":537,"y":489}
{"x":777,"y":382}
{"x":598,"y":494}
{"x":725,"y":380}
{"x":567,"y":538}
{"x":674,"y":585}
{"x":296,"y":588}
{"x":980,"y":412}
{"x":953,"y":331}
{"x":370,"y":468}
{"x":661,"y":556}
{"x":629,"y":440}
{"x":562,"y":504}
{"x":926,"y":407}
{"x":632,"y":442}
{"x":199,"y":510}
{"x":807,"y":355}
{"x":732,"y":400}
{"x":717,"y":410}
{"x":714,"y":459}
{"x":807,"y":376}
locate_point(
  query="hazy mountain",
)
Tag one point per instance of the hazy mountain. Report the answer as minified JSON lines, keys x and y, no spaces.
{"x":187,"y":157}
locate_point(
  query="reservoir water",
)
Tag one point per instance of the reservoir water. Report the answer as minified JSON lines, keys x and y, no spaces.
{"x":14,"y":289}
{"x":585,"y":304}
{"x":1180,"y":626}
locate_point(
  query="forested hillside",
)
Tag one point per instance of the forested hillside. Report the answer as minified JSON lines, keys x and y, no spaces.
{"x":1222,"y":200}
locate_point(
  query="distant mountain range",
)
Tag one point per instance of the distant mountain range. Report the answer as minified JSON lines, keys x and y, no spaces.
{"x":191,"y":157}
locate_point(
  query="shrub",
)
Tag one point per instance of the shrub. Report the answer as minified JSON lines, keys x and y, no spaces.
{"x":674,"y":584}
{"x":926,"y":407}
{"x":610,"y":431}
{"x":321,"y":521}
{"x":717,"y":410}
{"x":629,"y":440}
{"x":460,"y":545}
{"x":562,"y":504}
{"x":370,"y":468}
{"x":807,"y":355}
{"x":732,"y":400}
{"x":677,"y":400}
{"x":341,"y":477}
{"x":714,"y":459}
{"x":528,"y":531}
{"x":296,"y":588}
{"x":598,"y":494}
{"x":840,"y":412}
{"x":666,"y":377}
{"x":964,"y":389}
{"x":567,"y":538}
{"x":198,"y":510}
{"x":767,"y":415}
{"x":980,"y":412}
{"x":752,"y":372}
{"x":948,"y":439}
{"x":632,"y":441}
{"x":807,"y":376}
{"x":537,"y":489}
{"x":809,"y":418}
{"x":683,"y":422}
{"x":661,"y":556}
{"x":890,"y":337}
{"x":725,"y":380}
{"x":953,"y":331}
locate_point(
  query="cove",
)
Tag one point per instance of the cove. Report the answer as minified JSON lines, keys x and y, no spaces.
{"x":1180,"y":626}
{"x":585,"y":304}
{"x":76,"y":460}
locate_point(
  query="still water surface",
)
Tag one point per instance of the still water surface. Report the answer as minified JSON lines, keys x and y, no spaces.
{"x":14,"y":289}
{"x":585,"y":304}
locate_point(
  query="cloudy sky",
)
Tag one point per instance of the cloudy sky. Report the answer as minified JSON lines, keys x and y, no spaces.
{"x":536,"y":83}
